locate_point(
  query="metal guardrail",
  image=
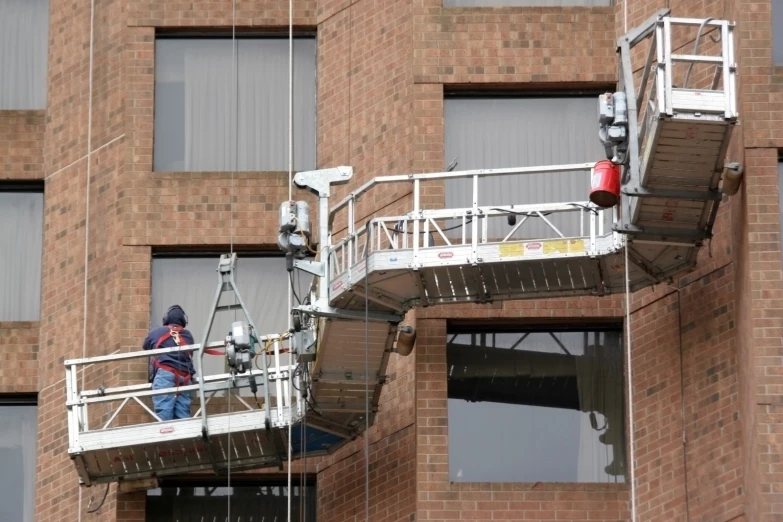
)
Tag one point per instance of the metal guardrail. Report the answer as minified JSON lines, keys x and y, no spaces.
{"x":421,"y":229}
{"x":288,"y":398}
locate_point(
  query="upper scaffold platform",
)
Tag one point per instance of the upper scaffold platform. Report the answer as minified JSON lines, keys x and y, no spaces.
{"x":671,"y":143}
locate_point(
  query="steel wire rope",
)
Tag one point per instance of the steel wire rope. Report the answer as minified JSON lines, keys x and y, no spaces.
{"x":629,"y":371}
{"x":235,"y":142}
{"x":290,"y":197}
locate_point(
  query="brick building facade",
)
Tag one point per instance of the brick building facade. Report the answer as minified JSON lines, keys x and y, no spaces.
{"x":707,"y":352}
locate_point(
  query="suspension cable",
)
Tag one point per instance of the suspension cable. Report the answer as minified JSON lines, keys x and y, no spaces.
{"x":367,"y":393}
{"x":87,"y":220}
{"x":290,"y":197}
{"x":629,"y":371}
{"x":235,"y":166}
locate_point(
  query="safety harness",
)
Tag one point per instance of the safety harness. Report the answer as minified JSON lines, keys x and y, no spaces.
{"x":179,"y":375}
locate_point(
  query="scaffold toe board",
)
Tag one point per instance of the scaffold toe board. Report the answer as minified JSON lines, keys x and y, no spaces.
{"x":168,"y":448}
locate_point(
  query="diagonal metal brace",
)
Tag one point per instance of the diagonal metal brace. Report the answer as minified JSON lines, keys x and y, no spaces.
{"x":226,"y":283}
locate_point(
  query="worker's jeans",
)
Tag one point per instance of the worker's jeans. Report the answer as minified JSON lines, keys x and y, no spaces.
{"x":169,"y":407}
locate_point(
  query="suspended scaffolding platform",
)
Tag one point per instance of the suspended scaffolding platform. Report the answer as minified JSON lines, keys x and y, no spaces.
{"x":671,"y":146}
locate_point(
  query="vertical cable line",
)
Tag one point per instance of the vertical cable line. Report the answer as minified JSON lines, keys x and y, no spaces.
{"x":87,"y":208}
{"x":234,"y":167}
{"x":290,"y":197}
{"x":629,"y":371}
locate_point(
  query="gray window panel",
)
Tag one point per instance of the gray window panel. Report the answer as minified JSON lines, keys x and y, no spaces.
{"x":777,"y":32}
{"x":18,"y":436}
{"x":197,"y":125}
{"x":525,"y":3}
{"x":536,"y":406}
{"x":523,"y":132}
{"x":191,"y":282}
{"x":780,"y":196}
{"x":21,"y":245}
{"x":248,"y":503}
{"x":24,"y":52}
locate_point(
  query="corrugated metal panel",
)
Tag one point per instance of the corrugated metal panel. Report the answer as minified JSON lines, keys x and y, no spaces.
{"x":525,"y":3}
{"x":197,"y":125}
{"x":24,"y":54}
{"x":522,"y":132}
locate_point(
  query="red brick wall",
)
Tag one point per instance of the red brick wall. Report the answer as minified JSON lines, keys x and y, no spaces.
{"x":21,"y":144}
{"x":382,"y":70}
{"x":19,"y":348}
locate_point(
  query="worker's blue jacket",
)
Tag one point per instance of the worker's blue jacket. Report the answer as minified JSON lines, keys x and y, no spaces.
{"x":180,"y":361}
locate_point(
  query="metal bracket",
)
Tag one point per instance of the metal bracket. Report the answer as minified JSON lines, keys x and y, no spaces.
{"x":321,"y":308}
{"x":698,"y":235}
{"x":317,"y":268}
{"x":319,"y":181}
{"x":636,"y":191}
{"x":637,"y":34}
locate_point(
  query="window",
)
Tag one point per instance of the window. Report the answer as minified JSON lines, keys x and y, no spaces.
{"x":536,"y":405}
{"x":780,"y":191}
{"x":196,"y":125}
{"x":777,"y":32}
{"x":24,"y":51}
{"x":18,"y":436}
{"x":524,"y":3}
{"x":21,"y":243}
{"x":503,"y":132}
{"x":191,"y":283}
{"x":208,"y":501}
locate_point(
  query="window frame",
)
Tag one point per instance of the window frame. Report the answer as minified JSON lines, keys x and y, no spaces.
{"x":598,"y":325}
{"x":29,"y":187}
{"x":41,"y":90}
{"x":243,"y":253}
{"x":302,"y":33}
{"x":457,"y":191}
{"x":16,"y":400}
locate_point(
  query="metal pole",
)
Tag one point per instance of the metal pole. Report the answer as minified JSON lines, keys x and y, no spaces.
{"x":323,"y":237}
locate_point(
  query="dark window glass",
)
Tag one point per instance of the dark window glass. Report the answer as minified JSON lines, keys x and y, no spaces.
{"x":209,"y":503}
{"x":536,"y":406}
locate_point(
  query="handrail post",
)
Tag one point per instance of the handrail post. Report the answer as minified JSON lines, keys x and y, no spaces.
{"x":416,"y":212}
{"x":474,"y":223}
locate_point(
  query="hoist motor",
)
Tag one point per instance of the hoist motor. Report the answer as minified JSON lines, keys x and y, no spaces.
{"x":294,"y":232}
{"x":239,"y":347}
{"x":303,"y":345}
{"x":613,"y":122}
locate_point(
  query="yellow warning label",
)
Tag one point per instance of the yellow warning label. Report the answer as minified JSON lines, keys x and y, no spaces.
{"x":510,"y":249}
{"x":537,"y":248}
{"x":564,"y":246}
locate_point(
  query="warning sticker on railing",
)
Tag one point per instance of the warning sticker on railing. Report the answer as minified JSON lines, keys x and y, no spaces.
{"x":564,"y":246}
{"x":537,"y":248}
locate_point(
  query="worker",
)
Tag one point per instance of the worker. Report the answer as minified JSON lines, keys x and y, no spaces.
{"x":171,"y":370}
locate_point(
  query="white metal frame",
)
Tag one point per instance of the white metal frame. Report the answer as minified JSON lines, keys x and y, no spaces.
{"x":345,"y":256}
{"x":288,"y":408}
{"x":665,"y":101}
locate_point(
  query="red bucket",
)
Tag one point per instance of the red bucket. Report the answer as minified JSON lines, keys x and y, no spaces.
{"x":605,"y":184}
